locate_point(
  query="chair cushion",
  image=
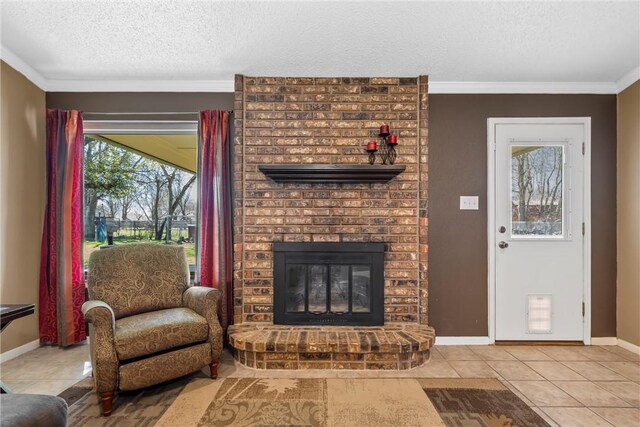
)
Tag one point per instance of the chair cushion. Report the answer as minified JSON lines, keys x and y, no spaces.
{"x":148,"y":333}
{"x":138,"y":278}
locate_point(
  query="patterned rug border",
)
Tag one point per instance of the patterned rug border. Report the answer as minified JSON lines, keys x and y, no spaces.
{"x":297,"y":401}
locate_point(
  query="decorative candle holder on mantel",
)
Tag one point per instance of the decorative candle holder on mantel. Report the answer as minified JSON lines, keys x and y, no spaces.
{"x":372,"y":147}
{"x":388,"y":142}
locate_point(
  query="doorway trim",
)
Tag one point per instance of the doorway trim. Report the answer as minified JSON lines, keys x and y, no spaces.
{"x":491,"y":201}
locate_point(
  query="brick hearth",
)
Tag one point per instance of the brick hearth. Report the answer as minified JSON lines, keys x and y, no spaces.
{"x":282,"y":120}
{"x":391,"y":347}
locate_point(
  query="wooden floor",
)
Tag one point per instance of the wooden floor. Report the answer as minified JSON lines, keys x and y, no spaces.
{"x":566,"y":385}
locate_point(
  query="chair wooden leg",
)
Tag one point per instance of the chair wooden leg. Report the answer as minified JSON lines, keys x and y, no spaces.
{"x":214,"y":369}
{"x":106,"y":399}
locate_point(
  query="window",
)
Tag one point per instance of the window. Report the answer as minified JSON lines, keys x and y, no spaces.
{"x":140,"y":188}
{"x":537,"y":191}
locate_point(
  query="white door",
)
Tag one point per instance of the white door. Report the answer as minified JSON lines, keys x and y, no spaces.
{"x":538,"y":231}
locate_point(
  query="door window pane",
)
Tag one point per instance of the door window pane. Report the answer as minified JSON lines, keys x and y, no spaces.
{"x":295,"y":279}
{"x":318,"y":288}
{"x":537,"y":191}
{"x":339,"y":288}
{"x":361,"y":278}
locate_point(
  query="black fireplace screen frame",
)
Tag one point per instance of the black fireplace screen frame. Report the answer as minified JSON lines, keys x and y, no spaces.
{"x":371,"y":254}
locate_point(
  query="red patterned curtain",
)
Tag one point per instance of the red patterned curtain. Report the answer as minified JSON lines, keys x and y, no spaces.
{"x":215,"y":215}
{"x":62,"y":289}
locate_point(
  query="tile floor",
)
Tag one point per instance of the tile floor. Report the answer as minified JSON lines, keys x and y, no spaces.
{"x":568,"y":386}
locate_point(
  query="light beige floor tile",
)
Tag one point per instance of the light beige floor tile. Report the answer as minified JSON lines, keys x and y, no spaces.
{"x":545,"y":417}
{"x":18,"y":386}
{"x":51,"y":387}
{"x":543,"y":393}
{"x":435,"y":369}
{"x":473,"y":369}
{"x":575,"y":417}
{"x":594,"y":371}
{"x":626,"y":354}
{"x":490,"y":352}
{"x":554,"y":371}
{"x":457,"y":352}
{"x":630,"y":370}
{"x":435,"y":355}
{"x":514,"y":370}
{"x":51,"y":370}
{"x":517,"y":392}
{"x":590,"y":394}
{"x":627,"y":391}
{"x":526,"y":353}
{"x":620,"y":417}
{"x":600,"y":354}
{"x":346,"y":405}
{"x":564,"y":353}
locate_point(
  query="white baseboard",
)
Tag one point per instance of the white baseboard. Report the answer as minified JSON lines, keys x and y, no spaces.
{"x":629,"y":346}
{"x":487,"y":341}
{"x":604,"y":341}
{"x":12,"y":354}
{"x":463,"y":341}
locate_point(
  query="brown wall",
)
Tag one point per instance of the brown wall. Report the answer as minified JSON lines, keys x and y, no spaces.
{"x":144,"y":102}
{"x":22,"y":198}
{"x":458,"y":239}
{"x":328,"y":121}
{"x":629,"y":214}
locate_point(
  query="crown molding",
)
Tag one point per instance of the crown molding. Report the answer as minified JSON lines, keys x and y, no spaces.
{"x":436,"y":87}
{"x":25,"y":69}
{"x":83,"y":85}
{"x":628,"y":79}
{"x":227,"y":86}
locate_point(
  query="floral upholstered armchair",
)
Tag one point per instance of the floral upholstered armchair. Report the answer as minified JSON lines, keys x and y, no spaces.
{"x":147,"y":325}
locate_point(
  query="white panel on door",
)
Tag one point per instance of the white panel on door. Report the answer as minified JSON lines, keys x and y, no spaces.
{"x":539,"y":313}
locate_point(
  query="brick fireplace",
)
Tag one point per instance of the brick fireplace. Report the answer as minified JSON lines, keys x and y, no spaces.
{"x":328,"y":121}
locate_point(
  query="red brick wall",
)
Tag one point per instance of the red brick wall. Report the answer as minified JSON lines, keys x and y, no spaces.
{"x":328,"y":121}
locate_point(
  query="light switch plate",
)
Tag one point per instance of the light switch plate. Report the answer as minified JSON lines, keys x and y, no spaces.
{"x":468,"y":203}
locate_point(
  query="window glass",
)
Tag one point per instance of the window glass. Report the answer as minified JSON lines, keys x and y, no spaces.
{"x":140,"y":188}
{"x":537,"y":191}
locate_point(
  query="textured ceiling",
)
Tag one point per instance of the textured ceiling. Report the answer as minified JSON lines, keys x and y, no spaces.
{"x":450,"y":41}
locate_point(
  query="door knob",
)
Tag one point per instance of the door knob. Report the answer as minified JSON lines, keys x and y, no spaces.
{"x":503,"y":245}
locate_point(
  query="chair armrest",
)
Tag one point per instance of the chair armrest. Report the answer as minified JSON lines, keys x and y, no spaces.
{"x":104,"y":360}
{"x":204,"y":301}
{"x":99,"y":314}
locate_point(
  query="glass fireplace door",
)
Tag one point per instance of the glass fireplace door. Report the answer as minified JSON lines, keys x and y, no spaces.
{"x":326,"y":288}
{"x":334,"y":288}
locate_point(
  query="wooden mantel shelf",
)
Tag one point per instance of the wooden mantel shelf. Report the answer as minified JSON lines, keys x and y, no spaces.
{"x":331,"y":173}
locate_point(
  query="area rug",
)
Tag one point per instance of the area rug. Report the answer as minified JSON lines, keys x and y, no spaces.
{"x":198,"y":401}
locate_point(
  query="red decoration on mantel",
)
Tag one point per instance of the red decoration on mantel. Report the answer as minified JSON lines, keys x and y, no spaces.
{"x":387,"y":148}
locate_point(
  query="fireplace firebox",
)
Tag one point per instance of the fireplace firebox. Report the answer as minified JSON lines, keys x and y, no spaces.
{"x":328,"y":284}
